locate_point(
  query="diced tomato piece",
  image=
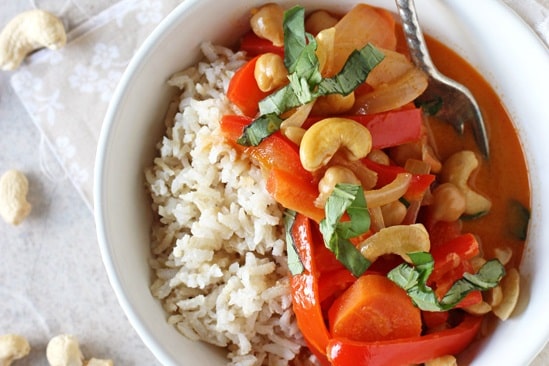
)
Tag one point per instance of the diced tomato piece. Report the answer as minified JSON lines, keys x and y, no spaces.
{"x":388,"y":129}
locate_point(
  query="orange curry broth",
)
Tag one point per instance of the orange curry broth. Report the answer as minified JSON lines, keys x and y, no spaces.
{"x":503,"y":177}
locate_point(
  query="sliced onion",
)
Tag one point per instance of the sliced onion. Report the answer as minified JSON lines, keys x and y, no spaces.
{"x":325,"y":41}
{"x":390,"y":192}
{"x":298,"y":118}
{"x":362,"y":25}
{"x":393,"y":66}
{"x":394,"y":95}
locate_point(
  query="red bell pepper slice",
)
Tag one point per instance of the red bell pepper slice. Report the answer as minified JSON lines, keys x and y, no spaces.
{"x":452,"y":260}
{"x":441,"y":232}
{"x":276,"y":151}
{"x":388,"y":129}
{"x":287,"y":181}
{"x":332,"y":283}
{"x":255,"y":45}
{"x":461,"y":248}
{"x":232,"y":127}
{"x":393,"y":128}
{"x":305,"y":299}
{"x":294,"y":193}
{"x":404,"y":351}
{"x":243,"y":90}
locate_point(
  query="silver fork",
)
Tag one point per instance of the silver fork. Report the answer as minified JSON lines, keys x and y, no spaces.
{"x":458,"y":104}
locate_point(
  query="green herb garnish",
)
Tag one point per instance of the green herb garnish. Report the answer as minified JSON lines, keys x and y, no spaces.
{"x":519,"y":217}
{"x":346,"y":198}
{"x":294,"y":261}
{"x":413,"y":279}
{"x":254,"y":133}
{"x":306,"y":82}
{"x":354,"y":72}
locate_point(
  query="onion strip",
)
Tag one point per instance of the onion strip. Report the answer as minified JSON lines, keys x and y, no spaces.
{"x":390,"y":192}
{"x":394,"y":95}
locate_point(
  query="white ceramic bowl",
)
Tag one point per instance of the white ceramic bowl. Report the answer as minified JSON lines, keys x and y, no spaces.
{"x":486,"y":33}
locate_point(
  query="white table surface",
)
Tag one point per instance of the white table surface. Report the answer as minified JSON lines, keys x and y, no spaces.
{"x":52,"y":279}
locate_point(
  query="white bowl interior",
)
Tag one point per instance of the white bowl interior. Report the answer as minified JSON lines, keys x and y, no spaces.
{"x":134,"y":124}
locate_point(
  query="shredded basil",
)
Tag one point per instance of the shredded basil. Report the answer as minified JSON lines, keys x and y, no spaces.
{"x":413,"y":279}
{"x":295,"y":37}
{"x":346,"y":198}
{"x":294,"y":261}
{"x":519,"y":217}
{"x":354,"y":72}
{"x":254,"y":133}
{"x":306,"y":82}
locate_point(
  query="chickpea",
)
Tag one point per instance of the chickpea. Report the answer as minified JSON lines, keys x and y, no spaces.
{"x":333,"y":175}
{"x":448,"y":202}
{"x":393,"y":213}
{"x":319,"y":20}
{"x":270,"y":72}
{"x":334,"y":104}
{"x":267,"y":21}
{"x":379,"y":156}
{"x":294,"y":134}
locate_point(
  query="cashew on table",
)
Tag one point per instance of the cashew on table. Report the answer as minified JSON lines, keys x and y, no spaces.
{"x":64,"y":350}
{"x":27,"y":32}
{"x":12,"y":347}
{"x":14,"y":187}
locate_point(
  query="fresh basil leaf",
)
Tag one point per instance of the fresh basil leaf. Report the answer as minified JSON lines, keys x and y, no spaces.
{"x":306,"y":82}
{"x":259,"y":129}
{"x":294,"y":35}
{"x":307,"y":65}
{"x":359,"y":222}
{"x":354,"y":72}
{"x":336,"y":234}
{"x":295,"y":265}
{"x":413,"y":279}
{"x":279,"y":102}
{"x":300,"y":88}
{"x":348,"y":255}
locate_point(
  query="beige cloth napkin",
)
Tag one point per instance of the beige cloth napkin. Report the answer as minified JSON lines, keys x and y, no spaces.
{"x":67,"y":92}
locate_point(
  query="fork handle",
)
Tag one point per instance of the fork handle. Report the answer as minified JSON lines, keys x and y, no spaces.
{"x":414,"y":37}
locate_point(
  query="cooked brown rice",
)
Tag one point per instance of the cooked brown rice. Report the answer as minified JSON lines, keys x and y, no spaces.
{"x":218,"y":253}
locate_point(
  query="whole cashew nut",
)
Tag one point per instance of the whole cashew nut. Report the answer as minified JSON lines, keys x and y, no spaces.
{"x":510,"y":286}
{"x":12,"y":347}
{"x":13,"y":197}
{"x":64,"y":350}
{"x":457,"y":170}
{"x":398,"y":239}
{"x":27,"y":32}
{"x":323,"y":139}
